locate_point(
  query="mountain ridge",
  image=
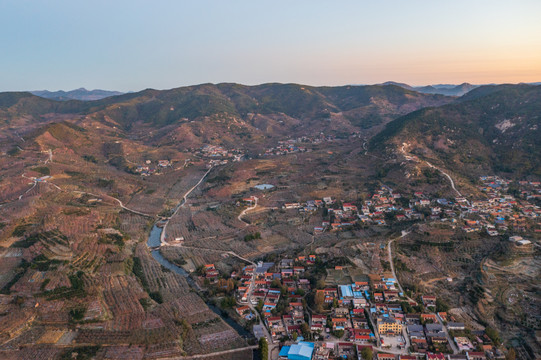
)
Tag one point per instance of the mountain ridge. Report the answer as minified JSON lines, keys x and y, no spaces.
{"x":491,"y":129}
{"x":164,"y":107}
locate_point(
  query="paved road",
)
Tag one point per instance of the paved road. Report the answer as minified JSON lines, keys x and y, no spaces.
{"x":128,"y":209}
{"x":50,"y":158}
{"x":232,"y":253}
{"x":451,"y":342}
{"x":27,"y":191}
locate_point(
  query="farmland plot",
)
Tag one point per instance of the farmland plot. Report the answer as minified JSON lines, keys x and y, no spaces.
{"x":45,"y":352}
{"x":189,"y":307}
{"x":122,"y":295}
{"x":190,"y":178}
{"x":208,"y":223}
{"x":293,"y":234}
{"x":238,"y":355}
{"x":121,"y":353}
{"x":145,"y":203}
{"x":196,"y":257}
{"x":170,"y":283}
{"x":216,"y":336}
{"x":181,"y":224}
{"x":132,"y":224}
{"x":53,"y":312}
{"x":163,"y":350}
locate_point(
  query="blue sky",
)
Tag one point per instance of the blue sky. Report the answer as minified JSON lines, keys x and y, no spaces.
{"x":132,"y":45}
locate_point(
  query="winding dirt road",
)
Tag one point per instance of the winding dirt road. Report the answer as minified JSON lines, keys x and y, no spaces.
{"x":245,"y":211}
{"x":416,"y":159}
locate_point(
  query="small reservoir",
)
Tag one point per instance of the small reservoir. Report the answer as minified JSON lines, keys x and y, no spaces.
{"x":264,"y":187}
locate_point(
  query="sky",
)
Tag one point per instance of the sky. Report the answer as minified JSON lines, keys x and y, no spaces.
{"x":133,"y":45}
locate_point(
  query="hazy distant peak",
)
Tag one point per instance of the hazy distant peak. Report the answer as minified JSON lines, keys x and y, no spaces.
{"x":77,"y":94}
{"x":442,"y":89}
{"x":402,"y":85}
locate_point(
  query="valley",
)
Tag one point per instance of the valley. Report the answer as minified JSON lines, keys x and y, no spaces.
{"x":136,"y":226}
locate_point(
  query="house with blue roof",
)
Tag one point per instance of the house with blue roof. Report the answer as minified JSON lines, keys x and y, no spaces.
{"x":301,"y":351}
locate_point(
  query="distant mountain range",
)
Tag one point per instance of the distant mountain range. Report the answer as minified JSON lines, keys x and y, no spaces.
{"x":442,"y":89}
{"x":97,"y":94}
{"x":77,"y":94}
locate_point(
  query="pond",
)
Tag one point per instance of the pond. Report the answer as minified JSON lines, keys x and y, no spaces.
{"x":264,"y":187}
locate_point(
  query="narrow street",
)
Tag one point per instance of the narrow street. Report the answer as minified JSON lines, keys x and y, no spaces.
{"x":389,"y":248}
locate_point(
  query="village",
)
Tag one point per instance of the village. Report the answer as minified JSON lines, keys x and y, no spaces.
{"x":213,"y":155}
{"x":348,"y":314}
{"x":306,"y":303}
{"x":312,"y":308}
{"x":497,"y":215}
{"x":297,"y":145}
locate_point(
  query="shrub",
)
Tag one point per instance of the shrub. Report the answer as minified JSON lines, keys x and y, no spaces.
{"x":156,"y":296}
{"x":77,"y":313}
{"x":43,"y":170}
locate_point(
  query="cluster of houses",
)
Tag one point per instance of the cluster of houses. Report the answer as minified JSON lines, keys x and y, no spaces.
{"x":346,"y":350}
{"x":495,"y":215}
{"x":529,"y":190}
{"x":356,"y":315}
{"x":291,"y":146}
{"x":284,"y":148}
{"x":267,"y":290}
{"x":218,"y":152}
{"x":372,"y":211}
{"x":211,"y":273}
{"x":368,"y":312}
{"x":502,"y":211}
{"x":432,"y":333}
{"x":148,"y":169}
{"x":467,"y":355}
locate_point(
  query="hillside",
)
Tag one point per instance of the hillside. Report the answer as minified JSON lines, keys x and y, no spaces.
{"x":493,"y":128}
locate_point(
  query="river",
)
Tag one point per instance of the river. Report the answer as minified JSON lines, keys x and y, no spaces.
{"x":153,"y":242}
